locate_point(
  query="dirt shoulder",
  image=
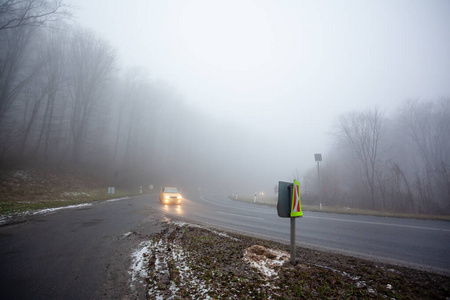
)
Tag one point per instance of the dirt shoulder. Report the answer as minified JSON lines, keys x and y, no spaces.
{"x":190,"y":260}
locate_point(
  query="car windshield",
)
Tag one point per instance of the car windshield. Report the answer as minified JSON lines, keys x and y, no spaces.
{"x":170,"y":190}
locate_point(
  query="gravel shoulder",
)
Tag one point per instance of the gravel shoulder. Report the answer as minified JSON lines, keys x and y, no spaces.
{"x":189,"y":260}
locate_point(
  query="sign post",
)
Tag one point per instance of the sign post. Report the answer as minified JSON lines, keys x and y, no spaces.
{"x":293,"y":241}
{"x":289,"y":206}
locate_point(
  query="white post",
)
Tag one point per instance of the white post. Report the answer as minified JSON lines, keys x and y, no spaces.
{"x":320,"y":188}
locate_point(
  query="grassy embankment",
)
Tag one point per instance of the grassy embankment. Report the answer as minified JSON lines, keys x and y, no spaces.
{"x":272,"y":201}
{"x":23,"y":190}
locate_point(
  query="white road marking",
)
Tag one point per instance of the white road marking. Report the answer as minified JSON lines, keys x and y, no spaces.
{"x":244,"y":205}
{"x":378,"y":223}
{"x":334,"y":219}
{"x":225,"y":213}
{"x":213,"y":202}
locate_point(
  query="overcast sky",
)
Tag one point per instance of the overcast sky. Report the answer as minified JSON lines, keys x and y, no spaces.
{"x":291,"y":66}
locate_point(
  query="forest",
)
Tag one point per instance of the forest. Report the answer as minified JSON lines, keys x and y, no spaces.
{"x":66,"y":100}
{"x":398,"y":163}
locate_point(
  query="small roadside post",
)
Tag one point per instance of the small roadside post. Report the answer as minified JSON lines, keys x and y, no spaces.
{"x":289,"y":206}
{"x":318,"y":158}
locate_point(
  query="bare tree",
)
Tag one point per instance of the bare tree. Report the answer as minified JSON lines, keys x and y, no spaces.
{"x":131,"y":109}
{"x":18,"y":19}
{"x":13,"y":75}
{"x":36,"y":13}
{"x":363,"y":131}
{"x":19,"y":24}
{"x":53,"y":52}
{"x":427,"y":125}
{"x":92,"y":63}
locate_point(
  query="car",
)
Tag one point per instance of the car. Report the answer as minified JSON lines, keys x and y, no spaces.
{"x":170,"y":195}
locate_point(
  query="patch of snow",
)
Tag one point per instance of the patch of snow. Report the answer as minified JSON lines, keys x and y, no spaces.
{"x":328,"y":268}
{"x":22,"y":174}
{"x":180,"y":258}
{"x":158,"y":250}
{"x":127,"y":234}
{"x":394,"y":271}
{"x":5,"y":218}
{"x":389,"y":287}
{"x":75,"y":194}
{"x":118,"y":199}
{"x":182,"y":224}
{"x":265,"y":259}
{"x":355,"y":277}
{"x":139,"y":262}
{"x":49,"y":210}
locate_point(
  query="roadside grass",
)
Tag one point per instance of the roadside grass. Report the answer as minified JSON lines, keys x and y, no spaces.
{"x":23,"y":190}
{"x":272,"y":201}
{"x":190,"y":260}
{"x":74,"y":198}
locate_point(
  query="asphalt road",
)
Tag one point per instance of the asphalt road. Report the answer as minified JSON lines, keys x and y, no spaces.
{"x":84,"y":253}
{"x":417,"y":243}
{"x":78,"y":253}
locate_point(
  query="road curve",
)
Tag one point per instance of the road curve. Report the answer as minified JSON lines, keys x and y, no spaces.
{"x":84,"y":253}
{"x":423,"y":244}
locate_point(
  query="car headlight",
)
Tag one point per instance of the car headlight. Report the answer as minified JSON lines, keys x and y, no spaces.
{"x":167,"y":197}
{"x":179,"y":197}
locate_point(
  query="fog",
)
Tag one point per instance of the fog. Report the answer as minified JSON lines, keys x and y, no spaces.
{"x":229,"y":95}
{"x":284,"y":66}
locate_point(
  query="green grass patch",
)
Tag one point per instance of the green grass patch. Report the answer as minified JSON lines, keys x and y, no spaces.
{"x":23,"y":190}
{"x":66,"y":199}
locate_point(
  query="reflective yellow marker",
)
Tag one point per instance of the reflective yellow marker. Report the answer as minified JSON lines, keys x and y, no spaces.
{"x":296,"y":209}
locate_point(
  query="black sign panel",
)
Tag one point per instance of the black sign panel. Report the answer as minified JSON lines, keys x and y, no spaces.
{"x":284,"y":199}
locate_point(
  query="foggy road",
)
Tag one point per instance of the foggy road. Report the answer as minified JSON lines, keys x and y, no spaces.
{"x":84,"y":253}
{"x":422,"y":243}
